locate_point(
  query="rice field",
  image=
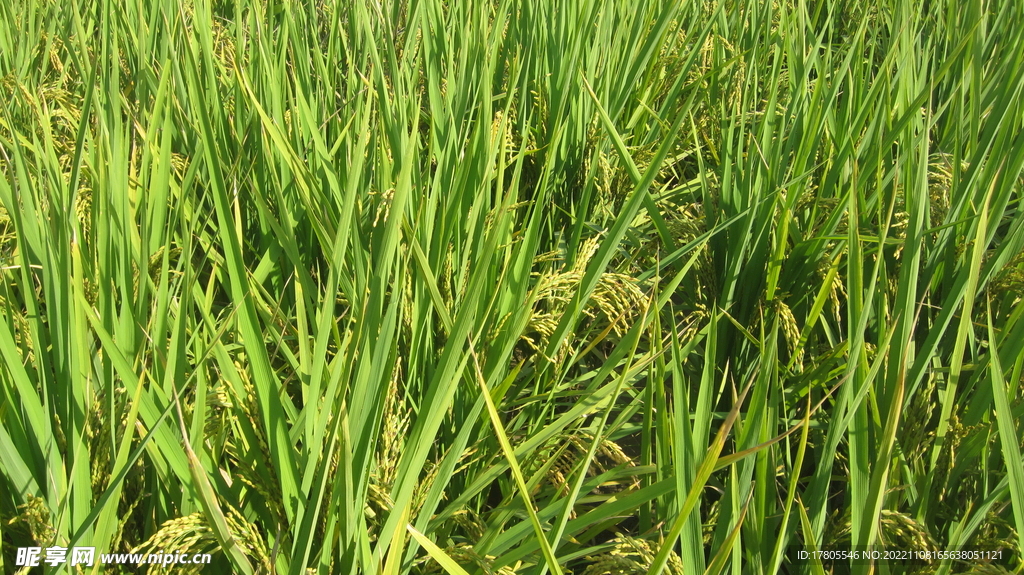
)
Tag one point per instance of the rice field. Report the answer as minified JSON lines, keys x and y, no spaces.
{"x":587,"y":287}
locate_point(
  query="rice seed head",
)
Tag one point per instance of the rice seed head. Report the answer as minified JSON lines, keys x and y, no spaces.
{"x":791,"y":332}
{"x":629,"y":556}
{"x":1009,"y":282}
{"x":940,"y":182}
{"x":463,"y":554}
{"x":35,"y":517}
{"x":570,"y":449}
{"x":189,"y":532}
{"x":614,"y":303}
{"x":192,"y":534}
{"x":901,"y":531}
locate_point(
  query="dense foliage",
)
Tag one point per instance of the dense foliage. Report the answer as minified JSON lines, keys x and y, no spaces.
{"x":587,"y":286}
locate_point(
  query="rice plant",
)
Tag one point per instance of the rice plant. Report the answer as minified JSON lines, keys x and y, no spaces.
{"x":494,"y":287}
